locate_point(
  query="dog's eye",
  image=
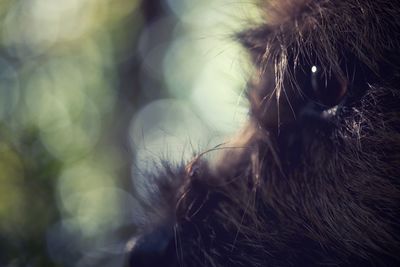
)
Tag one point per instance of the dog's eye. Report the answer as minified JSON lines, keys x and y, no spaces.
{"x":328,"y":89}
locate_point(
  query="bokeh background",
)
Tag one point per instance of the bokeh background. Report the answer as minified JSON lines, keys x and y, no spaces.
{"x":92,"y":91}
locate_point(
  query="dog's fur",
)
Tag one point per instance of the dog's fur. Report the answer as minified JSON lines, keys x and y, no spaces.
{"x":314,"y":178}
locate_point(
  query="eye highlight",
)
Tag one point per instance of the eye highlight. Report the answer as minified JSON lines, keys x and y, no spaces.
{"x":314,"y":69}
{"x":316,"y":79}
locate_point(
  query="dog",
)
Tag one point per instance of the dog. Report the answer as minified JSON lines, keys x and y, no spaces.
{"x":313,"y":179}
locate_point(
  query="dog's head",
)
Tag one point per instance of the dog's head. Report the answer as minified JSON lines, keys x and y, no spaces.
{"x":314,"y":177}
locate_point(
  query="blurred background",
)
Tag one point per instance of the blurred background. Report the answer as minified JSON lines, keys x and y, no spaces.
{"x":90,"y":92}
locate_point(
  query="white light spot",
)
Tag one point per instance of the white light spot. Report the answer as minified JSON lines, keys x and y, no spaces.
{"x":314,"y":69}
{"x":330,"y":112}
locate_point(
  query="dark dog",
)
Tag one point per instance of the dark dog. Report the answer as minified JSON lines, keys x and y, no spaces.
{"x":314,"y":179}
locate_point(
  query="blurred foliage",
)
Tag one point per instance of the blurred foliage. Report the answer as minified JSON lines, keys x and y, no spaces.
{"x":88,"y":87}
{"x":60,"y":167}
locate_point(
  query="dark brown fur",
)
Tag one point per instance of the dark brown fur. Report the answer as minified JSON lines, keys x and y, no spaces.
{"x":314,"y":178}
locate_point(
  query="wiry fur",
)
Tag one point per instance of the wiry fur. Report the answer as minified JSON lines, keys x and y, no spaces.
{"x":307,"y":182}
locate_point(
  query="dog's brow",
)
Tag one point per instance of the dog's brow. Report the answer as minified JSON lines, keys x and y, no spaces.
{"x":256,"y":38}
